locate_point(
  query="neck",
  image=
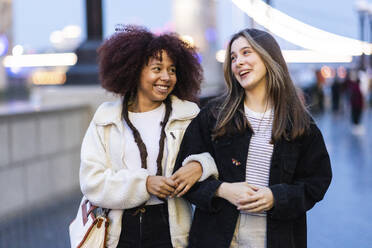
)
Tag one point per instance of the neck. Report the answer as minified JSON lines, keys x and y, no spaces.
{"x":257,"y":100}
{"x":139,"y":105}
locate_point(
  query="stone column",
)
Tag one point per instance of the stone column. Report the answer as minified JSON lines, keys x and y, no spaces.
{"x":85,"y":72}
{"x":197,"y":18}
{"x":5,"y":31}
{"x":94,"y":19}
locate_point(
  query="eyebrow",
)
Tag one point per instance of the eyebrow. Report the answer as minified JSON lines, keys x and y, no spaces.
{"x":156,"y":63}
{"x":160,"y":63}
{"x":246,"y":47}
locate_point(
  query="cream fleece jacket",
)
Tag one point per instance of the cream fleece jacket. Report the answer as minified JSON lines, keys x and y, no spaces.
{"x":109,"y":184}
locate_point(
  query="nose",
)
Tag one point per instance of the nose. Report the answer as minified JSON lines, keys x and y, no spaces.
{"x":164,"y":76}
{"x":239,"y":60}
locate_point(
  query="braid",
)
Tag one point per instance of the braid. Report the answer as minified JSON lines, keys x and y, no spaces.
{"x":136,"y":134}
{"x":168,"y":110}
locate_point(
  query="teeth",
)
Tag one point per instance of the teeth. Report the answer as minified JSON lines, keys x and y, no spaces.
{"x":243,"y":72}
{"x":162,"y":87}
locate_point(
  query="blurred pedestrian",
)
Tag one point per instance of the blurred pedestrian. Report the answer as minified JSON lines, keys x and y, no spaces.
{"x":271,"y":158}
{"x":336,"y":90}
{"x":356,"y":102}
{"x":318,"y":102}
{"x":157,"y":77}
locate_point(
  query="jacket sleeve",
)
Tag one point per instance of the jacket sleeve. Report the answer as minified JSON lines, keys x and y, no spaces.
{"x":104,"y":186}
{"x":311,"y":180}
{"x":207,"y":162}
{"x":197,"y":140}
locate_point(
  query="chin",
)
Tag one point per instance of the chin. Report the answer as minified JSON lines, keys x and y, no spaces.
{"x":246,"y":84}
{"x":249,"y":86}
{"x":158,"y":98}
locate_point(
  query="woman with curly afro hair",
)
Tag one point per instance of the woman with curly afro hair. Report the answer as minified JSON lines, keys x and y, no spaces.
{"x":130,"y":147}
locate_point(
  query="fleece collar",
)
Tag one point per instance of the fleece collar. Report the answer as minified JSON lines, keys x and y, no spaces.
{"x":110,"y":112}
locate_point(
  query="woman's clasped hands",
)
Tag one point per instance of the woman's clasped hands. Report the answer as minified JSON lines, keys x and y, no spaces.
{"x":247,"y":197}
{"x":176,"y":185}
{"x":160,"y":186}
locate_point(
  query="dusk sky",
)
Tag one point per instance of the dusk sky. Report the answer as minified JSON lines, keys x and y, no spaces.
{"x":35,"y":20}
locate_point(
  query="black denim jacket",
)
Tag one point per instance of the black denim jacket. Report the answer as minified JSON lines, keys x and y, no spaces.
{"x":300,"y":174}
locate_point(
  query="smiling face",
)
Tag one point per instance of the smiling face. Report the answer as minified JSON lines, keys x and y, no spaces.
{"x":158,"y":78}
{"x":247,"y":66}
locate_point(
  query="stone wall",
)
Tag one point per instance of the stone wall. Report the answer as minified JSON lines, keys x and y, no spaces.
{"x":39,"y":154}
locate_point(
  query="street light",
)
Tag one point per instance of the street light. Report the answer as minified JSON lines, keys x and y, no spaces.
{"x":363,"y":9}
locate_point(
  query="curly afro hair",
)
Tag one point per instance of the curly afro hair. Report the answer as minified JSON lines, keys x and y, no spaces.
{"x":122,"y":57}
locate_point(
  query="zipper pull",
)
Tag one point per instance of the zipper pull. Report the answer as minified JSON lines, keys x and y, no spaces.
{"x":174,"y":137}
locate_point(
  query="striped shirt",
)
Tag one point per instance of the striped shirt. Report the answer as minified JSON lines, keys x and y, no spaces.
{"x":260,"y":150}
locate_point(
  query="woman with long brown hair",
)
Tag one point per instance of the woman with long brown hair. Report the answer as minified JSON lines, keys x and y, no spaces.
{"x":271,"y":158}
{"x":158,"y":78}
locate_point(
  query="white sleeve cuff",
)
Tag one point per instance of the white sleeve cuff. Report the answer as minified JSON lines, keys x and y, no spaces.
{"x":207,"y":163}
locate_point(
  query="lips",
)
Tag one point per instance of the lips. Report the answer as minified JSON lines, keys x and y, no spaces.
{"x":243,"y":73}
{"x":163,"y":89}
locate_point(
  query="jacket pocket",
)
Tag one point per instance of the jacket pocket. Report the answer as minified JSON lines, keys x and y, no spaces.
{"x":222,"y":142}
{"x":223,"y":150}
{"x":288,"y":168}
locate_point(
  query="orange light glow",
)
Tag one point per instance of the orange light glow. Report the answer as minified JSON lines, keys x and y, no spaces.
{"x":48,"y":77}
{"x":326,"y":71}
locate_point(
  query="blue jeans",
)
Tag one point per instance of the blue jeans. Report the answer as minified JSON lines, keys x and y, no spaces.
{"x":145,"y":227}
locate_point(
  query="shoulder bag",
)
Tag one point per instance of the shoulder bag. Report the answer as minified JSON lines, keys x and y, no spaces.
{"x":89,"y":228}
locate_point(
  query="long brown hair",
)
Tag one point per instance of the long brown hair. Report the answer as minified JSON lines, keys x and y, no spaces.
{"x":291,"y":118}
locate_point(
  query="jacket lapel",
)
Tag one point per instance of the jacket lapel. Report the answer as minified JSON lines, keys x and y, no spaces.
{"x":231,"y":156}
{"x":241,"y":143}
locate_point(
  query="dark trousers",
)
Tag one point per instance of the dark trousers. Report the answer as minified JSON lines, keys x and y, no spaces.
{"x":145,"y":227}
{"x":356,"y":114}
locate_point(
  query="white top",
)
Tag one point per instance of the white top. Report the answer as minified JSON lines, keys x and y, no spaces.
{"x":148,"y":125}
{"x":260,"y":150}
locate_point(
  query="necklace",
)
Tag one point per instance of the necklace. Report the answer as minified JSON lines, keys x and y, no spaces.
{"x":256,"y":117}
{"x":263,"y":116}
{"x":262,"y":119}
{"x":259,"y":123}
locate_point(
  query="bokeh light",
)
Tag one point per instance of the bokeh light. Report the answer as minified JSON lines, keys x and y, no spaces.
{"x":220,"y":56}
{"x":3,"y":45}
{"x":188,"y":39}
{"x":17,"y":50}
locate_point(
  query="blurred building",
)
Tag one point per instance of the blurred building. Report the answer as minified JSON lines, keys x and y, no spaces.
{"x":6,"y":20}
{"x":200,"y":30}
{"x":208,"y":22}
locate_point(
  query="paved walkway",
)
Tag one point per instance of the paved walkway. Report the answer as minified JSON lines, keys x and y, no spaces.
{"x":342,"y":219}
{"x":43,"y":228}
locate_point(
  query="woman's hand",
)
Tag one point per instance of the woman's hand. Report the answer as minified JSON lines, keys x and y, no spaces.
{"x":235,"y":192}
{"x":160,"y":186}
{"x":186,"y":176}
{"x":261,"y":200}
